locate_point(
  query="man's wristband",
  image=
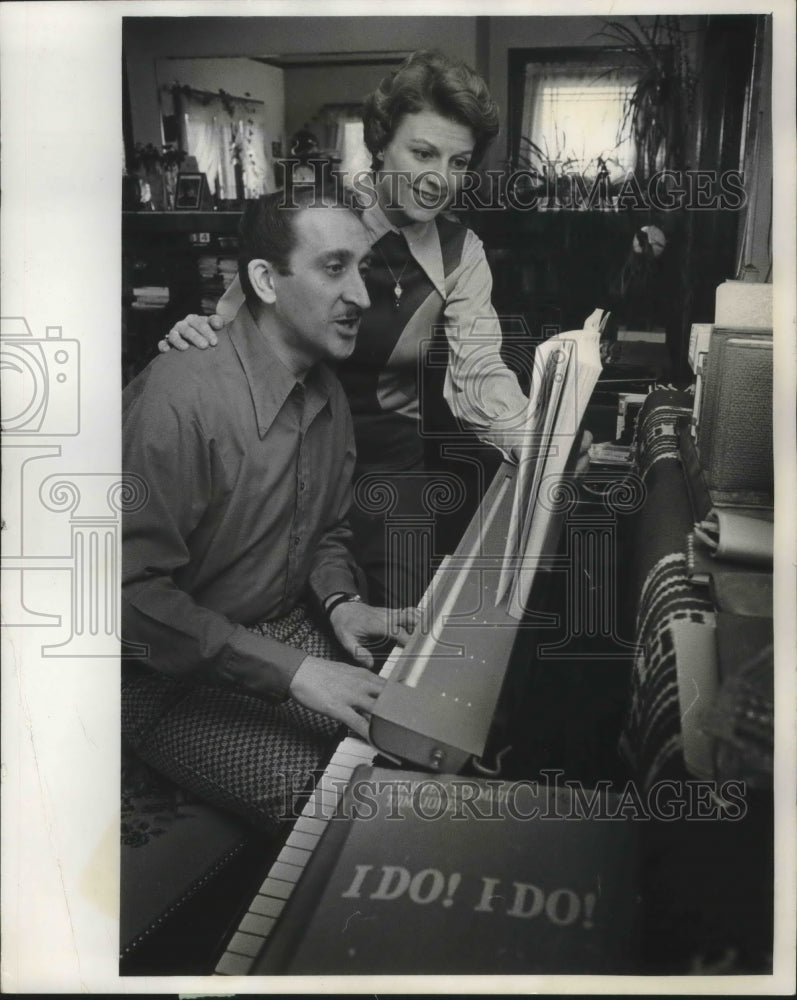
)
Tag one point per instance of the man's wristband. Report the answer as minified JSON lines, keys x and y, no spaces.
{"x":332,"y":602}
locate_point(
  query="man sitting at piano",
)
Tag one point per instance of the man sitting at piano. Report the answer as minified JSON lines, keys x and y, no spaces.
{"x":237,"y":576}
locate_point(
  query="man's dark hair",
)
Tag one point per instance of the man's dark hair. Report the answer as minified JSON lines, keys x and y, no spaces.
{"x":267,"y":229}
{"x":428,"y":79}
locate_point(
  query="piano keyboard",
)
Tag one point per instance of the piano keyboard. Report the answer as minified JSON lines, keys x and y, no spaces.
{"x":255,"y":928}
{"x":265,"y":909}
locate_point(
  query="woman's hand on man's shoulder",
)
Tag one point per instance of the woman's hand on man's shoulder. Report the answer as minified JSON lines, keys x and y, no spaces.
{"x":193,"y":331}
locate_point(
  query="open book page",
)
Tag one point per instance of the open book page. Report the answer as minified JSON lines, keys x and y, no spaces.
{"x":566,"y":369}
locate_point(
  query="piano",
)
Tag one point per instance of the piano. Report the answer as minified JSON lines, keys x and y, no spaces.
{"x":435,"y":712}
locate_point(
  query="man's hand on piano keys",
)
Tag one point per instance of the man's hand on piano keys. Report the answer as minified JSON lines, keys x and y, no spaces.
{"x":337,"y":689}
{"x":358,"y":626}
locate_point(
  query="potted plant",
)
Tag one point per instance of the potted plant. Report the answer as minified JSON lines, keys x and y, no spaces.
{"x":542,"y":173}
{"x":660,"y":104}
{"x":564,"y":180}
{"x":144,"y":165}
{"x":155,"y":171}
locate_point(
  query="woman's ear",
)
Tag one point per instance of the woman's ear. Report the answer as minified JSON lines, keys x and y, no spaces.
{"x":261,"y":276}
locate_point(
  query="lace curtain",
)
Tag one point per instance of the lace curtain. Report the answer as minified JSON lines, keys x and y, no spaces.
{"x":221,"y":134}
{"x":574,"y":110}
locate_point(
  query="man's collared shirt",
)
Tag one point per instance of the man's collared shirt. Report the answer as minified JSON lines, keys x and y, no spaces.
{"x":479,"y":388}
{"x":247,"y":474}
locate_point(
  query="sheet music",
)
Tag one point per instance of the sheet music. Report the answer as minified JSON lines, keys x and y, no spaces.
{"x":550,"y":367}
{"x":566,"y":369}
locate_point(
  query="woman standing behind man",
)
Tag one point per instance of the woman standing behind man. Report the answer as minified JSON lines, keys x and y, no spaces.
{"x":426,"y":125}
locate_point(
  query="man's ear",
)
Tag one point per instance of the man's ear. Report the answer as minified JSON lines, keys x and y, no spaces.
{"x":261,"y":275}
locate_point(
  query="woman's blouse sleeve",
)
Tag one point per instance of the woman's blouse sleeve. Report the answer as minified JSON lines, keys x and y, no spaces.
{"x":479,"y":388}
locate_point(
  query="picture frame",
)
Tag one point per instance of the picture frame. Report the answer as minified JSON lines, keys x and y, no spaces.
{"x":188,"y":195}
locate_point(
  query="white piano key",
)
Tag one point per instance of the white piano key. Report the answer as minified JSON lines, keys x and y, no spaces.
{"x":325,"y":811}
{"x":356,"y":748}
{"x":335,"y":770}
{"x":257,"y":923}
{"x":334,"y":780}
{"x":318,"y":806}
{"x":291,"y":855}
{"x":245,"y":944}
{"x":330,"y":799}
{"x":351,"y":743}
{"x":389,"y":665}
{"x":276,"y":887}
{"x":306,"y":824}
{"x":285,"y":872}
{"x":352,"y":760}
{"x":313,"y":805}
{"x":349,"y":762}
{"x":307,"y":841}
{"x":319,"y":810}
{"x":267,"y":905}
{"x":231,"y":964}
{"x":333,"y":786}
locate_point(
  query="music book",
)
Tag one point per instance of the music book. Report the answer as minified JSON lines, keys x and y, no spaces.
{"x":566,"y":370}
{"x":447,"y":875}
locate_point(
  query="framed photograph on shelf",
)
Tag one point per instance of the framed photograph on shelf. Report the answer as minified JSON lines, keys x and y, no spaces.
{"x":188,"y":196}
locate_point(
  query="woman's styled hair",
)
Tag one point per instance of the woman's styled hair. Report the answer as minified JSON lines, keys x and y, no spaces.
{"x":428,"y":79}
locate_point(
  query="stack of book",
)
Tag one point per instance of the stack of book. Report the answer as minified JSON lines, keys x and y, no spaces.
{"x":216,"y":275}
{"x":228,"y":269}
{"x":150,"y":297}
{"x":211,"y":287}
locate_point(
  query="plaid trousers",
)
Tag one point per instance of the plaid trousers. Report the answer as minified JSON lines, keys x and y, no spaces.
{"x":232,"y":748}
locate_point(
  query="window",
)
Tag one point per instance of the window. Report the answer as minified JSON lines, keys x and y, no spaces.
{"x":569,"y":110}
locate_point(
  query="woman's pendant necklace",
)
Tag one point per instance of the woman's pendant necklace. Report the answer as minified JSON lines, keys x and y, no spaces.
{"x":398,"y":291}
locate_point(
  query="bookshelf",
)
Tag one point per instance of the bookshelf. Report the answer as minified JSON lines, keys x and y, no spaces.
{"x":173,"y":263}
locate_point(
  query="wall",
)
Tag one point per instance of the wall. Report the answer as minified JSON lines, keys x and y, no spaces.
{"x":237,"y":77}
{"x":147,"y":39}
{"x":477,"y":40}
{"x":307,"y":88}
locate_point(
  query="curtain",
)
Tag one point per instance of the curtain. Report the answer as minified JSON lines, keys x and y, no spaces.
{"x":339,"y":128}
{"x":204,"y":140}
{"x":249,"y":142}
{"x":574,"y":111}
{"x":221,"y":134}
{"x":354,"y":155}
